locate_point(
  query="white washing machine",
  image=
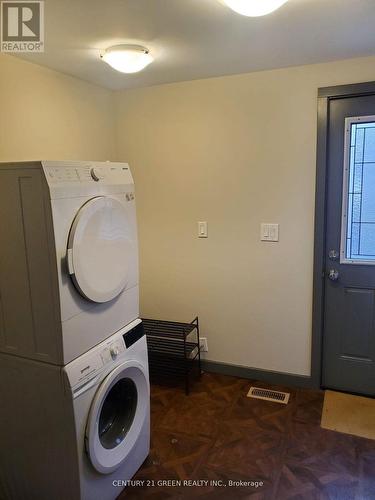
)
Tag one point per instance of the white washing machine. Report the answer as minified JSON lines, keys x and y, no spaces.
{"x":70,"y":251}
{"x":79,"y":431}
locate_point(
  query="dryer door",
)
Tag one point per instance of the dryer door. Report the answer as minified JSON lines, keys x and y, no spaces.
{"x":99,"y":249}
{"x":117,"y":415}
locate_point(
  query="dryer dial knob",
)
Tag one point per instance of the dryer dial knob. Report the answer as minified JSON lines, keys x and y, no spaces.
{"x":96,"y":174}
{"x":114,"y":352}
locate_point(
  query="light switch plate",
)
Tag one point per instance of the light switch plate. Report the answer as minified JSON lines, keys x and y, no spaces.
{"x":269,"y":232}
{"x":202,"y":229}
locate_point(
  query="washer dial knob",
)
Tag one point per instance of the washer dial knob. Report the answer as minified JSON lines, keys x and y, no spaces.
{"x":114,"y":352}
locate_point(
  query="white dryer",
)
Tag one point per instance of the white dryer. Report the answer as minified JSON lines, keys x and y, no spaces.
{"x":95,"y":232}
{"x":68,"y":257}
{"x":79,"y":431}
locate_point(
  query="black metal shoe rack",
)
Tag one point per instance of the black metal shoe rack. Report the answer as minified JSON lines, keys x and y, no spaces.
{"x":173,"y":350}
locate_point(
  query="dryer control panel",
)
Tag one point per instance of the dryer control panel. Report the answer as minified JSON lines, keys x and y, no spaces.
{"x":67,"y":179}
{"x":105,"y":355}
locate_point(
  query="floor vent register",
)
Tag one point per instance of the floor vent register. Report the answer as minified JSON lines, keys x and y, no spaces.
{"x":269,"y":395}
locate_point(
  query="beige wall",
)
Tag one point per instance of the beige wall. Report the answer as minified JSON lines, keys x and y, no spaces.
{"x":48,"y":115}
{"x":235,"y":151}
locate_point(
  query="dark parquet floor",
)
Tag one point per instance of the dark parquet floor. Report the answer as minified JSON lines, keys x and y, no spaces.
{"x":217,"y":433}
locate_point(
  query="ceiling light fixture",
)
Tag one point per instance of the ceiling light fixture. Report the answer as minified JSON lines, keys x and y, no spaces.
{"x":127,"y":58}
{"x":254,"y":8}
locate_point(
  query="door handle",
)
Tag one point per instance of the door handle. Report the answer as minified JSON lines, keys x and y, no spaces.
{"x":333,"y":274}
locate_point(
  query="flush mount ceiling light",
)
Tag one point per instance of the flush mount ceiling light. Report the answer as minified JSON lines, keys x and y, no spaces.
{"x":254,"y":8}
{"x":127,"y":58}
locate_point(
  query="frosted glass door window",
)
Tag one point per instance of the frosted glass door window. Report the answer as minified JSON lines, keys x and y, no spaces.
{"x":358,"y":226}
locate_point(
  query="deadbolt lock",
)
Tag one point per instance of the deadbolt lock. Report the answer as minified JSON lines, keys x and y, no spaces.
{"x":333,"y":254}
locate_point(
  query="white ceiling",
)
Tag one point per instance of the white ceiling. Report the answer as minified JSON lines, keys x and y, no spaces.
{"x":193,"y":39}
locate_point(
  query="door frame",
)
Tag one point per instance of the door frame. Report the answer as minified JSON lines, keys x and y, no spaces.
{"x":325,"y":95}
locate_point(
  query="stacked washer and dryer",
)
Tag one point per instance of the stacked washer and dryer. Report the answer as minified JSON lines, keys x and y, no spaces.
{"x":74,"y":389}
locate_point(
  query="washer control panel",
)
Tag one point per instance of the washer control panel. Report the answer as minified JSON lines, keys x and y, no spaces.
{"x":85,"y":368}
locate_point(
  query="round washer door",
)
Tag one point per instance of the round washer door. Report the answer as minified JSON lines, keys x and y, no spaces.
{"x":99,"y":249}
{"x":116,"y":417}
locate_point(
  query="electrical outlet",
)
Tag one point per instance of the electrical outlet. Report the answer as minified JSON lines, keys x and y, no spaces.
{"x":203,"y":344}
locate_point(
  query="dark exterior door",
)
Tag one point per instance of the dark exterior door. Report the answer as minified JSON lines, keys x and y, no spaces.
{"x":349,"y":281}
